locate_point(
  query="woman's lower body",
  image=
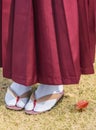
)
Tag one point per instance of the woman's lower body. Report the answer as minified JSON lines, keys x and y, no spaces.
{"x":49,"y":42}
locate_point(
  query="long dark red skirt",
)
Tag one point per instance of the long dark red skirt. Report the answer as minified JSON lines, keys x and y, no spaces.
{"x":48,"y":41}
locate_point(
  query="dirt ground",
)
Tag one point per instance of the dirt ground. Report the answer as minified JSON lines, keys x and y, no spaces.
{"x":63,"y":116}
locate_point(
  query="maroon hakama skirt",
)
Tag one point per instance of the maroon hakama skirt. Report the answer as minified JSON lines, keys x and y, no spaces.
{"x":48,"y":41}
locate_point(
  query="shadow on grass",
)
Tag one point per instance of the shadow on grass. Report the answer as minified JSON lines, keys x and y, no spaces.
{"x":2,"y":95}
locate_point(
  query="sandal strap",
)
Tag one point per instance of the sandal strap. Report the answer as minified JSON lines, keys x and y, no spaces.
{"x":13,"y":93}
{"x":33,"y":97}
{"x":26,"y":94}
{"x":50,"y":97}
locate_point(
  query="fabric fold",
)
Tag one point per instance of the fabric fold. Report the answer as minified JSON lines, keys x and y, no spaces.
{"x":49,"y":42}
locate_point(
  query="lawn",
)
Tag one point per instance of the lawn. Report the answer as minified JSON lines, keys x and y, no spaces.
{"x":63,"y":116}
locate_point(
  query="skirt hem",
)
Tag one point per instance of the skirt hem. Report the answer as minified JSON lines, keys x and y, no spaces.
{"x":44,"y":80}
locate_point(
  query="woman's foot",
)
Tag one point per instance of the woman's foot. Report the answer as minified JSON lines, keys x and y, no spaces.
{"x":44,"y":98}
{"x":17,"y":96}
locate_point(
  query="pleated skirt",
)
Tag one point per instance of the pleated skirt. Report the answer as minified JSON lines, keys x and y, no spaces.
{"x":47,"y":41}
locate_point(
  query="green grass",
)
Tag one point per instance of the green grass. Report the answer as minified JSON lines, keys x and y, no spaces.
{"x":63,"y":116}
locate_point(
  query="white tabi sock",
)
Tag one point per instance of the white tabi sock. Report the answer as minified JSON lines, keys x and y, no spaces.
{"x":41,"y":91}
{"x":19,"y":89}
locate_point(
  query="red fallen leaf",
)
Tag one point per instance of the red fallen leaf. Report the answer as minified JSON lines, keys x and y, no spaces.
{"x":82,"y":104}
